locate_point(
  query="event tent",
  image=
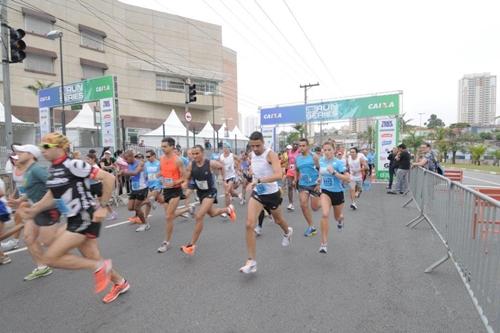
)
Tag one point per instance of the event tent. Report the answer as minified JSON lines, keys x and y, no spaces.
{"x":207,"y":131}
{"x":173,"y":128}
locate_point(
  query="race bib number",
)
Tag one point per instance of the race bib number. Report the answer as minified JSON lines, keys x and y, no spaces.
{"x":136,"y":186}
{"x":21,"y":190}
{"x":327,"y":181}
{"x":152,"y":176}
{"x":260,"y":189}
{"x":202,"y":184}
{"x":168,"y":181}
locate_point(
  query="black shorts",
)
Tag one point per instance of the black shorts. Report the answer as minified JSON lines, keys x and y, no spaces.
{"x":211,"y":194}
{"x":232,"y":179}
{"x":269,"y":201}
{"x":47,"y":218}
{"x":139,"y":194}
{"x":309,"y":189}
{"x":96,"y":189}
{"x":248,"y":177}
{"x":4,"y":217}
{"x":170,"y":193}
{"x":82,"y":224}
{"x":337,"y":198}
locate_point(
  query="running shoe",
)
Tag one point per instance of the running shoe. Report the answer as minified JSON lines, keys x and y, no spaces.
{"x":231,"y":212}
{"x":290,"y":207}
{"x":340,"y":225}
{"x":191,"y":210}
{"x":258,"y":230}
{"x":250,"y":267}
{"x":323,"y":249}
{"x":112,"y":216}
{"x":135,"y":219}
{"x":116,"y":291}
{"x":164,"y":247}
{"x":188,"y":249}
{"x":224,"y":215}
{"x":5,"y":260}
{"x":103,"y":276}
{"x":143,"y":227}
{"x":185,"y":215}
{"x":38,"y":273}
{"x":310,"y":231}
{"x":354,"y":206}
{"x":152,"y":202}
{"x":9,"y":245}
{"x":287,"y":238}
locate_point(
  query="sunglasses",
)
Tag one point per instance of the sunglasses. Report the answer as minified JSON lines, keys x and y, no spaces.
{"x":48,"y":145}
{"x":148,"y":156}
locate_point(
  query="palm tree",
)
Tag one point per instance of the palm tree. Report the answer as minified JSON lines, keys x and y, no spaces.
{"x":477,"y":152}
{"x":299,"y":128}
{"x":413,"y":141}
{"x":39,"y":85}
{"x":404,"y":124}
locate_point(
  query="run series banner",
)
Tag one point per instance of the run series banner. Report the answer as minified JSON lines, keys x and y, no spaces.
{"x":372,"y":106}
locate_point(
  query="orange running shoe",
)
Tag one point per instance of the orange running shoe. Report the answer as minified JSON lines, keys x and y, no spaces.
{"x":132,"y":219}
{"x":116,"y":291}
{"x":103,"y":276}
{"x":231,"y":212}
{"x":188,"y":249}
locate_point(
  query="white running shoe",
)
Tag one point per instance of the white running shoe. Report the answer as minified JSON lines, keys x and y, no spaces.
{"x":164,"y":247}
{"x":258,"y":230}
{"x":143,"y":227}
{"x":112,"y":216}
{"x":250,"y":267}
{"x":323,"y":249}
{"x":354,"y":206}
{"x":242,"y":201}
{"x":191,"y":210}
{"x":185,"y":215}
{"x":287,"y":238}
{"x":290,"y":207}
{"x":9,"y":245}
{"x":224,"y":215}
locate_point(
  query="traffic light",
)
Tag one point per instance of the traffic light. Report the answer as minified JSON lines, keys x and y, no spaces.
{"x":192,"y":93}
{"x":17,"y":45}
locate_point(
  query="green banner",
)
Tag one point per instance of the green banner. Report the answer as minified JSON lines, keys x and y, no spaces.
{"x":98,"y":88}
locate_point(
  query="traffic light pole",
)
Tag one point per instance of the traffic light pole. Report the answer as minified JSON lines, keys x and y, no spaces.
{"x":186,"y":110}
{"x":6,"y":75}
{"x":305,"y":87}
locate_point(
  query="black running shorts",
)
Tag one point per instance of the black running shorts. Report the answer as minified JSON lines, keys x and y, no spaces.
{"x":47,"y":218}
{"x":82,"y":224}
{"x":337,"y":198}
{"x":170,"y":193}
{"x":309,"y":189}
{"x":269,"y":201}
{"x":211,"y":194}
{"x":140,"y":195}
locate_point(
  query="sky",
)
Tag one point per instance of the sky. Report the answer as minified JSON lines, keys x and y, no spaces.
{"x":353,"y":47}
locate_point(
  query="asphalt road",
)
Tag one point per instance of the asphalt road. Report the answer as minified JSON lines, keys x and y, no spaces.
{"x":371,"y":280}
{"x":474,"y":178}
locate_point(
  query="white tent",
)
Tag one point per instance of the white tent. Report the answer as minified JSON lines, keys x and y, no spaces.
{"x":239,"y":135}
{"x":207,"y":131}
{"x":222,"y":132}
{"x":22,"y":132}
{"x":173,"y":127}
{"x":84,"y":119}
{"x":2,"y":116}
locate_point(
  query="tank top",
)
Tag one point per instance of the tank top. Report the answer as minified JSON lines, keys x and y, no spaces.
{"x":18,"y":178}
{"x":202,"y":176}
{"x":291,"y":163}
{"x":307,"y":168}
{"x":169,"y":170}
{"x":228,"y":165}
{"x":355,"y":168}
{"x":261,"y":168}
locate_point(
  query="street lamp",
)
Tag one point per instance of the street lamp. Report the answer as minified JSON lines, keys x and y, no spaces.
{"x":54,"y":34}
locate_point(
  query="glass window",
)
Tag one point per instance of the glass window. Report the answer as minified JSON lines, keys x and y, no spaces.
{"x":39,"y":63}
{"x":90,"y":71}
{"x":92,"y":40}
{"x":169,"y":83}
{"x":37,"y":25}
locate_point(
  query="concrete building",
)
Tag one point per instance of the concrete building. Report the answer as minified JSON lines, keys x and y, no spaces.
{"x":249,"y":123}
{"x":149,"y":52}
{"x":361,"y":125}
{"x":477,"y":99}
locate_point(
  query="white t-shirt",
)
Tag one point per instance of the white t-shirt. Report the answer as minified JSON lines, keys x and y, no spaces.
{"x":228,"y":166}
{"x":355,"y":167}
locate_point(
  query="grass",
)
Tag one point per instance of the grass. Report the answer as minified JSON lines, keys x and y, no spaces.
{"x":469,"y":166}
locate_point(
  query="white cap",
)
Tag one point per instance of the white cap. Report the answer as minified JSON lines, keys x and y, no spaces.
{"x":107,"y":152}
{"x":289,"y":147}
{"x":32,"y":149}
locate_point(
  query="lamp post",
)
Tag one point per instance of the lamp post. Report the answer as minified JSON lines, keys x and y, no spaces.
{"x":53,"y":35}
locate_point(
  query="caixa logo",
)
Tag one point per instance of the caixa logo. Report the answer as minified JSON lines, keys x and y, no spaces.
{"x":273,"y":116}
{"x":387,"y":124}
{"x":381,"y":105}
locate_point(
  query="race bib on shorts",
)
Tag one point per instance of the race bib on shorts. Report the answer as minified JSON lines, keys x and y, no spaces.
{"x":202,"y":184}
{"x":152,"y":176}
{"x":168,"y":181}
{"x":292,"y":167}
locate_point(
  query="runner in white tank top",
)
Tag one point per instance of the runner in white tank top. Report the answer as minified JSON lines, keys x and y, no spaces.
{"x":266,"y":169}
{"x":231,"y":163}
{"x":357,"y":164}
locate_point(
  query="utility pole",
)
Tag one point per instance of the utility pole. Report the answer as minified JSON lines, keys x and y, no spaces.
{"x":420,"y":114}
{"x":306,"y":87}
{"x":6,"y":75}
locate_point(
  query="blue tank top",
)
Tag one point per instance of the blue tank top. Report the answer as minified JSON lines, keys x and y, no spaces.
{"x":307,"y":169}
{"x":330,"y":182}
{"x":152,"y":170}
{"x":138,"y":182}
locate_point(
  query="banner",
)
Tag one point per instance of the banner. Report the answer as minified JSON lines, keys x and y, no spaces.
{"x":372,"y":106}
{"x":107,"y":122}
{"x":45,"y":121}
{"x":269,"y":134}
{"x":387,"y":138}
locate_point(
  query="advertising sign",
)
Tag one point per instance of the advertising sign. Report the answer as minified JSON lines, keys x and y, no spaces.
{"x":387,"y":138}
{"x":372,"y":106}
{"x":44,"y":121}
{"x":269,"y":136}
{"x":107,"y":122}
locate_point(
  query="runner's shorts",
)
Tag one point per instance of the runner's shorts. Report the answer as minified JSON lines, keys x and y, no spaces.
{"x":210,"y":193}
{"x":337,"y":198}
{"x":47,"y":218}
{"x":96,"y":189}
{"x":82,"y":224}
{"x":309,"y":189}
{"x":356,"y":184}
{"x":138,"y":194}
{"x":170,"y":193}
{"x":269,"y":201}
{"x":232,"y":179}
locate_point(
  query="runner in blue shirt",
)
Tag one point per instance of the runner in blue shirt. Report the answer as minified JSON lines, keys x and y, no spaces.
{"x":306,"y":176}
{"x":152,"y":171}
{"x":139,"y":185}
{"x":332,"y":173}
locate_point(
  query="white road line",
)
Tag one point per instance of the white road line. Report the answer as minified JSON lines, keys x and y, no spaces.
{"x":17,"y":250}
{"x":116,"y":224}
{"x":482,"y":181}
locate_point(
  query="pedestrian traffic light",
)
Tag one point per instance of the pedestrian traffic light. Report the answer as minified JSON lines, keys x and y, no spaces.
{"x":192,"y":93}
{"x":17,"y":45}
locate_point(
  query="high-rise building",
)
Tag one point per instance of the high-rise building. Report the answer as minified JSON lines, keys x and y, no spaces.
{"x":360,"y":125}
{"x":249,"y":123}
{"x":477,"y":99}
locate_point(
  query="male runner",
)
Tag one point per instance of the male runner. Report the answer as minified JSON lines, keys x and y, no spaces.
{"x":231,"y":164}
{"x":266,"y":170}
{"x":356,"y":164}
{"x":152,"y":169}
{"x":139,"y":189}
{"x":290,"y":173}
{"x":306,"y":176}
{"x":69,"y":193}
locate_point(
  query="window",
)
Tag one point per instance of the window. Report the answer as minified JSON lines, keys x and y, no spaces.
{"x":37,"y":25}
{"x":39,"y":63}
{"x":91,"y":71}
{"x":207,"y":86}
{"x":92,"y":40}
{"x":169,"y":83}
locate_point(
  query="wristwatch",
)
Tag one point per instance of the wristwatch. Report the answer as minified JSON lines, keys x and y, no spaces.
{"x":258,"y":181}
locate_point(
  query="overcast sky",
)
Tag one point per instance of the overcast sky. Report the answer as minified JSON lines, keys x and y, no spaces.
{"x":420,"y":47}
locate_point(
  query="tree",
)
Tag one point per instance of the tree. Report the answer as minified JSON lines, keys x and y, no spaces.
{"x":404,"y":124}
{"x":498,"y":136}
{"x":38,"y":86}
{"x":413,"y":141}
{"x":293,"y":137}
{"x":299,"y":128}
{"x":434,"y":122}
{"x":486,"y":136}
{"x":477,"y":152}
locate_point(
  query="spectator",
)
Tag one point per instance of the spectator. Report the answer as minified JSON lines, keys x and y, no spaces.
{"x":107,"y":163}
{"x":403,"y":159}
{"x":427,"y":159}
{"x":393,"y":166}
{"x":141,"y":144}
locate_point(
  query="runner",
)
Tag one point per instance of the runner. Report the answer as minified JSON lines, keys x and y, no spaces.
{"x":246,"y":177}
{"x":152,"y":169}
{"x":306,"y":176}
{"x":172,"y":171}
{"x":267,"y":171}
{"x":200,"y":171}
{"x":96,"y":186}
{"x":17,"y":180}
{"x":5,"y":215}
{"x":231,"y":163}
{"x":67,"y":189}
{"x":356,"y":165}
{"x":292,"y":154}
{"x":332,"y":174}
{"x":139,"y":189}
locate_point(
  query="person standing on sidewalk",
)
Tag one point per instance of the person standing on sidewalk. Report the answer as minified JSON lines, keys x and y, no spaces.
{"x":403,"y":160}
{"x":393,"y":166}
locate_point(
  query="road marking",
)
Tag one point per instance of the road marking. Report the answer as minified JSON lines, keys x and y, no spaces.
{"x":116,"y":224}
{"x":481,"y":180}
{"x":17,"y":250}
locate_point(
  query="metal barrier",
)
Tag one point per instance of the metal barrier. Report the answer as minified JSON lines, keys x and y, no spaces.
{"x":456,"y":214}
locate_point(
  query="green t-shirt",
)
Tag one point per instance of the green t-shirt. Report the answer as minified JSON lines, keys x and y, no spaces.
{"x":34,"y":182}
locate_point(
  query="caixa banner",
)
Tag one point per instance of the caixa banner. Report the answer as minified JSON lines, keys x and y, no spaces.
{"x":372,"y":106}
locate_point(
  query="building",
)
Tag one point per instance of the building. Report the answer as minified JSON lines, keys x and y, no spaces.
{"x":249,"y":123}
{"x":360,"y":125}
{"x":150,"y":52}
{"x":477,"y":99}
